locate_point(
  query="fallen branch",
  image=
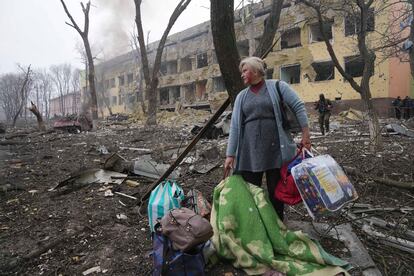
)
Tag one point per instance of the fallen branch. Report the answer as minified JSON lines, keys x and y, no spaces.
{"x":386,"y":181}
{"x":401,"y":244}
{"x":186,"y":151}
{"x":387,"y":225}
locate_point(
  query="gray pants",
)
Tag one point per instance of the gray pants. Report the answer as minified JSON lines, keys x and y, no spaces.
{"x":324,"y":121}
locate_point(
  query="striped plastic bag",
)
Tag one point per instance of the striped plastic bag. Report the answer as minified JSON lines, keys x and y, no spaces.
{"x":167,"y":195}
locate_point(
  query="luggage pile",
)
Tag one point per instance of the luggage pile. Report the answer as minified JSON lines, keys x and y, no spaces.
{"x":180,"y":230}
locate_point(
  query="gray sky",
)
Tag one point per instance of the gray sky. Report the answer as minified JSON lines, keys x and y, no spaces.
{"x":34,"y":31}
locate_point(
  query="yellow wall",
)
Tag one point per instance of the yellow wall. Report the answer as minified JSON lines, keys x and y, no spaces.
{"x":343,"y":46}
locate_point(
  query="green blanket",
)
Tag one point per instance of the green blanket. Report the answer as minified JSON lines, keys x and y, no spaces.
{"x":249,"y":234}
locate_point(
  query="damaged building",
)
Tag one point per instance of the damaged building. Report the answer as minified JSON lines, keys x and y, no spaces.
{"x":189,"y":72}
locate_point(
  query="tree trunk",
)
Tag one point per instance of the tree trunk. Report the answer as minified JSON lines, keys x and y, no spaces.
{"x":91,"y":79}
{"x":411,"y":3}
{"x":151,"y":80}
{"x":93,"y":101}
{"x":22,"y":95}
{"x":270,"y":28}
{"x":40,"y":122}
{"x":224,"y":39}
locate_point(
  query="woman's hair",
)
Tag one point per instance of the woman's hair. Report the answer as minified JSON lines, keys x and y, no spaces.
{"x":255,"y":64}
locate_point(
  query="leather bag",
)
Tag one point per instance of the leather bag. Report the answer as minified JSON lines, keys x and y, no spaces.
{"x":289,"y":120}
{"x":185,"y":228}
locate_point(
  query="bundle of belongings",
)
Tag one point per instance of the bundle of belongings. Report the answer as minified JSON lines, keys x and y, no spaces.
{"x":249,"y":234}
{"x":180,"y":230}
{"x":318,"y":181}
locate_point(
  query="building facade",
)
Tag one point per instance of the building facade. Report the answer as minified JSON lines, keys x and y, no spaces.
{"x":189,"y":72}
{"x":65,"y":105}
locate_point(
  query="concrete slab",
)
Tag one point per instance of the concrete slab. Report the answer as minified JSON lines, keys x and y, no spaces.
{"x":360,"y":258}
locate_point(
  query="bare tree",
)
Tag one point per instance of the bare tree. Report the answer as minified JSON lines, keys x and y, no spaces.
{"x":14,"y":92}
{"x":91,"y":67}
{"x":224,"y":39}
{"x":103,"y":87}
{"x":75,"y":88}
{"x":139,"y":77}
{"x":61,"y":76}
{"x":270,"y":28}
{"x":44,"y":84}
{"x":151,"y":79}
{"x":359,"y":9}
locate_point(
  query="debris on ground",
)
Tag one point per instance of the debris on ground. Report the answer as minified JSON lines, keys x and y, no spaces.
{"x":78,"y":226}
{"x":73,"y":123}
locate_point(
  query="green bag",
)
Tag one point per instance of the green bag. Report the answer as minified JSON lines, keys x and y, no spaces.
{"x":166,"y":196}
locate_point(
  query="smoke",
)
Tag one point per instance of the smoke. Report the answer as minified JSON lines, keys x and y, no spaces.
{"x":115,"y":22}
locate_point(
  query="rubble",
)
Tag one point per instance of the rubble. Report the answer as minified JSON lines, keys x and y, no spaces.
{"x":81,"y":222}
{"x":73,"y":123}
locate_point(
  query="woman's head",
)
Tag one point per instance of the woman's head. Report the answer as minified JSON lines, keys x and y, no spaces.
{"x":252,"y":69}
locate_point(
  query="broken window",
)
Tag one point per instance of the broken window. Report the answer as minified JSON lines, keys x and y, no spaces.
{"x":324,"y":70}
{"x":131,"y":99}
{"x":172,"y":67}
{"x":243,"y":47}
{"x":315,"y":33}
{"x":121,"y":80}
{"x":130,"y":78}
{"x":163,"y":68}
{"x":189,"y":95}
{"x":186,"y":64}
{"x":353,"y":23}
{"x":175,"y":93}
{"x":114,"y":100}
{"x":290,"y":73}
{"x":291,"y":39}
{"x":112,"y":82}
{"x":164,"y":96}
{"x":202,"y":60}
{"x":218,"y":84}
{"x":354,"y":66}
{"x":201,"y":90}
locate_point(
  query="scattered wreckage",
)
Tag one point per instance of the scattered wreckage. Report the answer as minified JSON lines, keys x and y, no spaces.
{"x":73,"y":123}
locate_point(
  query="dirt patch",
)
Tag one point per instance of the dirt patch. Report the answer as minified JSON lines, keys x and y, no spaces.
{"x":79,"y":228}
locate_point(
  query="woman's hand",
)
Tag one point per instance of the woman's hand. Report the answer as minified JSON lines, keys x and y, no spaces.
{"x":306,"y":142}
{"x":228,"y":165}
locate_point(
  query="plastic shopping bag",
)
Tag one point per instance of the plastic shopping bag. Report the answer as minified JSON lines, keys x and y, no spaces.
{"x":166,"y":196}
{"x":323,"y":185}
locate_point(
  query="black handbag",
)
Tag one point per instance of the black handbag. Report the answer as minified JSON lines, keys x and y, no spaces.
{"x":289,"y":120}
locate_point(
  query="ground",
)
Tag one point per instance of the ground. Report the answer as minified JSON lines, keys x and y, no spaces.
{"x":75,"y":228}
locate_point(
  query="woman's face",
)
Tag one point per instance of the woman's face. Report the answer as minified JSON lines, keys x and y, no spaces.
{"x":249,"y":76}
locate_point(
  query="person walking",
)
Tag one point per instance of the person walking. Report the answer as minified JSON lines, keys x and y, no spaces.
{"x":324,"y":107}
{"x":397,"y":104}
{"x":257,"y":143}
{"x":406,"y":106}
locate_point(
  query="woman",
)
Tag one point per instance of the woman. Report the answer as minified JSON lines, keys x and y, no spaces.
{"x":258,"y":143}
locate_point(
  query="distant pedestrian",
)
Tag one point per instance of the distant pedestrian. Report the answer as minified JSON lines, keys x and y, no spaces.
{"x":324,"y":107}
{"x":397,"y":103}
{"x":406,"y":105}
